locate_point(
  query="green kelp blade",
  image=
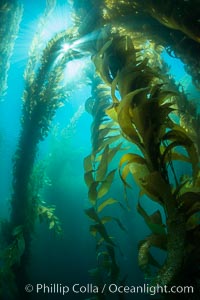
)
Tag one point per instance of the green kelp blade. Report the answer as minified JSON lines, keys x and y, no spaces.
{"x":103,"y":165}
{"x":110,"y":124}
{"x":124,"y":118}
{"x":51,"y":224}
{"x":103,"y":132}
{"x":123,"y":175}
{"x":103,"y":93}
{"x":100,"y":228}
{"x":146,"y":126}
{"x":105,"y":203}
{"x":91,"y":213}
{"x":138,"y":117}
{"x":111,"y":154}
{"x":112,"y":112}
{"x":106,"y":219}
{"x":98,"y":134}
{"x":156,"y":187}
{"x":89,"y":178}
{"x":99,"y":115}
{"x":165,"y":95}
{"x":106,"y":184}
{"x":108,"y":140}
{"x":92,"y":193}
{"x":169,"y":154}
{"x":151,"y":221}
{"x":88,"y":163}
{"x":131,"y":158}
{"x":179,"y":156}
{"x":164,"y":111}
{"x":178,"y":135}
{"x":131,"y":163}
{"x":101,"y":64}
{"x":113,"y":151}
{"x":132,"y":73}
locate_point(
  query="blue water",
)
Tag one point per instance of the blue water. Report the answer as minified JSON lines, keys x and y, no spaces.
{"x":67,"y":259}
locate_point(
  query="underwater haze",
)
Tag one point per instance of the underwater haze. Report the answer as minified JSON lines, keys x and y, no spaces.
{"x":86,"y":164}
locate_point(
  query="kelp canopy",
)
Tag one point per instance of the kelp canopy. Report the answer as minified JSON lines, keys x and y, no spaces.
{"x":172,"y":24}
{"x":141,"y":119}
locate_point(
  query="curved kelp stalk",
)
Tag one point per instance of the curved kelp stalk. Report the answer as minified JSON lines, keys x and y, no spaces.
{"x":106,"y":142}
{"x":146,"y":115}
{"x":10,"y":17}
{"x":44,"y":93}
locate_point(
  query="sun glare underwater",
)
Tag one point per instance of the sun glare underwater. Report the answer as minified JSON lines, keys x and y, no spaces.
{"x":99,"y":144}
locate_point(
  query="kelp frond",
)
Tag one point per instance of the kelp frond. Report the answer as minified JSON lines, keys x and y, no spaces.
{"x":106,"y":142}
{"x":146,"y":111}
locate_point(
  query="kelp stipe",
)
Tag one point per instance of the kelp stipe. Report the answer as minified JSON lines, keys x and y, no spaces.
{"x":147,"y":115}
{"x":43,"y":94}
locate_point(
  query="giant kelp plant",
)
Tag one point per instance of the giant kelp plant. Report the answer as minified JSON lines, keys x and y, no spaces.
{"x":133,"y":102}
{"x":133,"y":35}
{"x":44,"y":92}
